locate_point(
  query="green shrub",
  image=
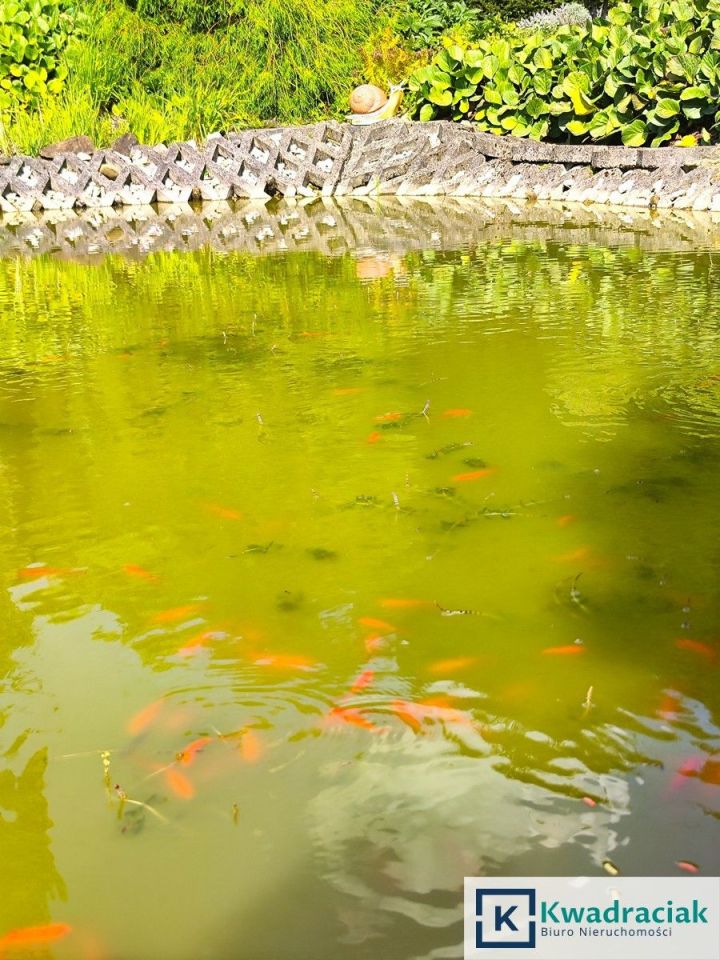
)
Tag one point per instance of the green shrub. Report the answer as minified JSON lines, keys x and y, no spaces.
{"x":33,"y":35}
{"x":648,"y":74}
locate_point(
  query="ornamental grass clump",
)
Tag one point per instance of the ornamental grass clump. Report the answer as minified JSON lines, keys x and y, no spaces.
{"x":647,"y":75}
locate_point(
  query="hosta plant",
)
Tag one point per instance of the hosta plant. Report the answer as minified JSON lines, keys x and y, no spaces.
{"x":647,"y":75}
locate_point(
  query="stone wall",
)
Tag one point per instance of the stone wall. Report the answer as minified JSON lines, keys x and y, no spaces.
{"x":391,"y":158}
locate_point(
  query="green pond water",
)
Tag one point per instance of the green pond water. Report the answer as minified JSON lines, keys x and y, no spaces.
{"x":369,"y":572}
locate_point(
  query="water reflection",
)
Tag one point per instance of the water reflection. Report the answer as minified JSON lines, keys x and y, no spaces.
{"x":335,"y":578}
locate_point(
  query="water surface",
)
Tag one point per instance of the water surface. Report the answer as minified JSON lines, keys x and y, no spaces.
{"x":417,"y":547}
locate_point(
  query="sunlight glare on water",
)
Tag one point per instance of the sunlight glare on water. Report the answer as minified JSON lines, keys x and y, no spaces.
{"x":366,"y":576}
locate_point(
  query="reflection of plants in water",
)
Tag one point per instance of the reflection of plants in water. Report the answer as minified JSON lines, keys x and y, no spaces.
{"x":641,"y":320}
{"x":25,"y":844}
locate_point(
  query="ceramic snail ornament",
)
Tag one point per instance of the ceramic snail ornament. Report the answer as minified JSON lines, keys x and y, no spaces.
{"x":370,"y":104}
{"x":367,"y":98}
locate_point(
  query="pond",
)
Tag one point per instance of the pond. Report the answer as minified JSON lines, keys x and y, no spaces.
{"x":332,"y":577}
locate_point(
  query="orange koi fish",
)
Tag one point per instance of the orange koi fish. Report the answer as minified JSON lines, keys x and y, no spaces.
{"x":413,"y":714}
{"x":225,"y":513}
{"x":569,"y":650}
{"x":133,"y":570}
{"x":690,"y":767}
{"x":35,"y":936}
{"x":459,"y":412}
{"x":710,"y":772}
{"x":36,"y":571}
{"x":573,"y":556}
{"x":405,"y":711}
{"x":565,"y":520}
{"x":688,"y":866}
{"x":143,"y":718}
{"x":347,"y":391}
{"x":187,"y":756}
{"x":179,"y":784}
{"x":377,"y":624}
{"x":376,"y":644}
{"x":404,"y":603}
{"x":177,"y":613}
{"x":280,"y":661}
{"x":473,"y":475}
{"x":452,"y":665}
{"x":198,"y":643}
{"x":362,"y":681}
{"x":251,"y":748}
{"x":589,"y":802}
{"x":696,"y":646}
{"x":347,"y":715}
{"x":441,"y":700}
{"x":309,"y":334}
{"x":191,"y":649}
{"x":669,"y":706}
{"x":391,"y":417}
{"x":374,"y":437}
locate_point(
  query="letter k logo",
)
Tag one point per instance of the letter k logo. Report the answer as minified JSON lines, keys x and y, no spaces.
{"x":502,"y":917}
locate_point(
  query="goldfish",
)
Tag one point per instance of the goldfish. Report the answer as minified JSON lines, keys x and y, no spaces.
{"x":143,"y":718}
{"x":376,"y":644}
{"x":565,"y":520}
{"x":439,"y":700}
{"x":251,"y":748}
{"x":688,"y":866}
{"x":347,"y":391}
{"x":573,"y":556}
{"x":338,"y":715}
{"x":133,"y":570}
{"x":568,"y":650}
{"x":180,"y":785}
{"x":280,"y":661}
{"x":452,"y":665}
{"x":388,"y":417}
{"x":375,"y":624}
{"x":374,"y":437}
{"x":459,"y":412}
{"x":690,"y":767}
{"x":400,"y":603}
{"x":710,"y":772}
{"x":589,"y":802}
{"x":473,"y":475}
{"x":413,"y":714}
{"x":669,"y":706}
{"x":188,"y":754}
{"x":309,"y":334}
{"x":406,"y":712}
{"x":177,"y":613}
{"x":362,"y":681}
{"x":36,"y":571}
{"x":225,"y":513}
{"x":191,"y":649}
{"x":198,"y":643}
{"x":35,"y":936}
{"x":696,"y":646}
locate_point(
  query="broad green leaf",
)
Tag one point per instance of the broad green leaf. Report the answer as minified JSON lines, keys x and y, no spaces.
{"x":634,"y":134}
{"x":667,"y":108}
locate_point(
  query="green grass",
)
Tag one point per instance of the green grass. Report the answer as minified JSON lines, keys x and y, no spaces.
{"x":166,"y":72}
